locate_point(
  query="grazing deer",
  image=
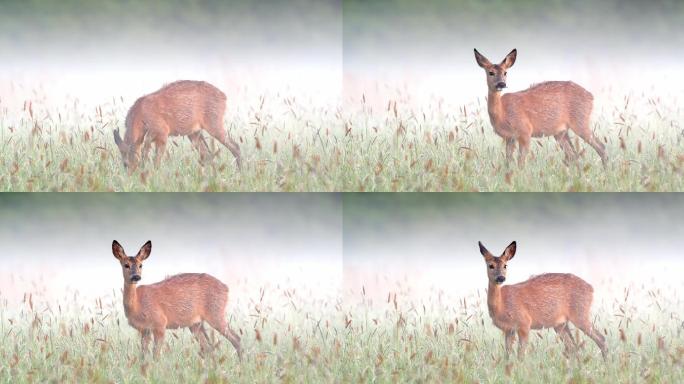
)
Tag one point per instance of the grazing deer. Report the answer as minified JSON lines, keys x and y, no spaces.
{"x":546,"y":109}
{"x":182,"y":108}
{"x":185,"y":300}
{"x":551,"y":300}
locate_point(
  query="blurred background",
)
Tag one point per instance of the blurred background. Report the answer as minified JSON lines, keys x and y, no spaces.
{"x":424,"y":245}
{"x":102,"y":53}
{"x":423,"y":51}
{"x":59,"y":245}
{"x":331,"y":247}
{"x":95,"y":51}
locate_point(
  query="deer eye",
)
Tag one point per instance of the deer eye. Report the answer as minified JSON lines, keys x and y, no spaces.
{"x":505,"y":73}
{"x":491,"y":266}
{"x":504,"y":267}
{"x":140,"y":266}
{"x":127,"y":266}
{"x":491,"y":73}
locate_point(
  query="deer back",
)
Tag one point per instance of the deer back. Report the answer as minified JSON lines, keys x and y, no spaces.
{"x":548,"y":300}
{"x":184,"y":299}
{"x":547,"y":108}
{"x":179,"y":108}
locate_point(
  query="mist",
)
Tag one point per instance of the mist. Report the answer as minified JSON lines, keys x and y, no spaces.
{"x":425,"y":244}
{"x":58,"y":245}
{"x":422,"y":53}
{"x":100,"y":53}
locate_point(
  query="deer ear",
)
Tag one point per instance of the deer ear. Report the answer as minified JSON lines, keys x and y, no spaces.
{"x":509,"y":252}
{"x":145,"y":251}
{"x":481,"y":60}
{"x":510,"y":59}
{"x":484,"y":250}
{"x":117,"y":138}
{"x":118,"y":250}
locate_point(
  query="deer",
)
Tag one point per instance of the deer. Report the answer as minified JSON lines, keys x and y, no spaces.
{"x":182,"y":108}
{"x":551,"y":108}
{"x":550,"y":300}
{"x":182,"y":301}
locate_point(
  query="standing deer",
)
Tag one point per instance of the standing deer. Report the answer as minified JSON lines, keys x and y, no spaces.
{"x":546,"y":109}
{"x":185,"y":300}
{"x":182,"y":108}
{"x":551,"y":300}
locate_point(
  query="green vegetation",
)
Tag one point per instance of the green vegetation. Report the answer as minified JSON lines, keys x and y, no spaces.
{"x":289,"y":337}
{"x":288,"y":145}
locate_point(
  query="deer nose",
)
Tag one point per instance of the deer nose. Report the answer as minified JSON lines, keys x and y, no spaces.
{"x":135,"y":278}
{"x":500,"y":85}
{"x":500,"y":279}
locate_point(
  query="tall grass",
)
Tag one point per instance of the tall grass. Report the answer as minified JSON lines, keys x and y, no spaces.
{"x":291,"y":334}
{"x":290,"y":145}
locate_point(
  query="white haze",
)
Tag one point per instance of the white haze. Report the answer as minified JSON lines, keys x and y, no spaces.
{"x":423,"y":55}
{"x":247,"y":241}
{"x":613,"y":242}
{"x":248,"y":50}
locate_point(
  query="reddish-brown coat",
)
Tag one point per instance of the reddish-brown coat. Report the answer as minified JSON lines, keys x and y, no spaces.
{"x":185,"y":300}
{"x":182,"y":108}
{"x":547,"y":109}
{"x":551,"y":300}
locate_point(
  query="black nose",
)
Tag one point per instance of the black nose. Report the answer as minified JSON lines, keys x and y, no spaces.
{"x":501,"y":85}
{"x":135,"y":278}
{"x":500,"y":279}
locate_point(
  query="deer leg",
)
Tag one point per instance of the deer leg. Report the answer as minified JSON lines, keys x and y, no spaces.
{"x":201,"y":335}
{"x":564,"y":141}
{"x":200,"y":144}
{"x":572,"y":147}
{"x":600,"y":149}
{"x":575,"y":156}
{"x":147,"y":145}
{"x":522,"y":342}
{"x":146,"y":336}
{"x":523,"y":149}
{"x":234,"y":340}
{"x":217,"y":131}
{"x":588,"y":136}
{"x":595,"y":335}
{"x":158,"y":341}
{"x":160,"y":144}
{"x":510,"y":339}
{"x":564,"y":333}
{"x":210,"y":151}
{"x":510,"y":147}
{"x":224,"y":329}
{"x":523,"y":334}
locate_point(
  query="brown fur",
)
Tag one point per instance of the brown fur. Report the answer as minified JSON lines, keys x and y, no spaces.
{"x":182,"y":108}
{"x":547,"y":109}
{"x":551,"y":300}
{"x":185,"y":300}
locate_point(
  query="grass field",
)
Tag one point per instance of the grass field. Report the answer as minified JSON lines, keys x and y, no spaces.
{"x":289,"y":145}
{"x":288,"y":336}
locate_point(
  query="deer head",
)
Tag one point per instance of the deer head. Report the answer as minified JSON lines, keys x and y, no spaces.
{"x":129,"y":154}
{"x":496,"y":266}
{"x":131,"y":266}
{"x":496,"y":73}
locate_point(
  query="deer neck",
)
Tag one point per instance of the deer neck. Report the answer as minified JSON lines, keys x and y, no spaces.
{"x":130,"y":297}
{"x":135,"y":133}
{"x":495,"y":108}
{"x":494,"y":299}
{"x":134,"y":124}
